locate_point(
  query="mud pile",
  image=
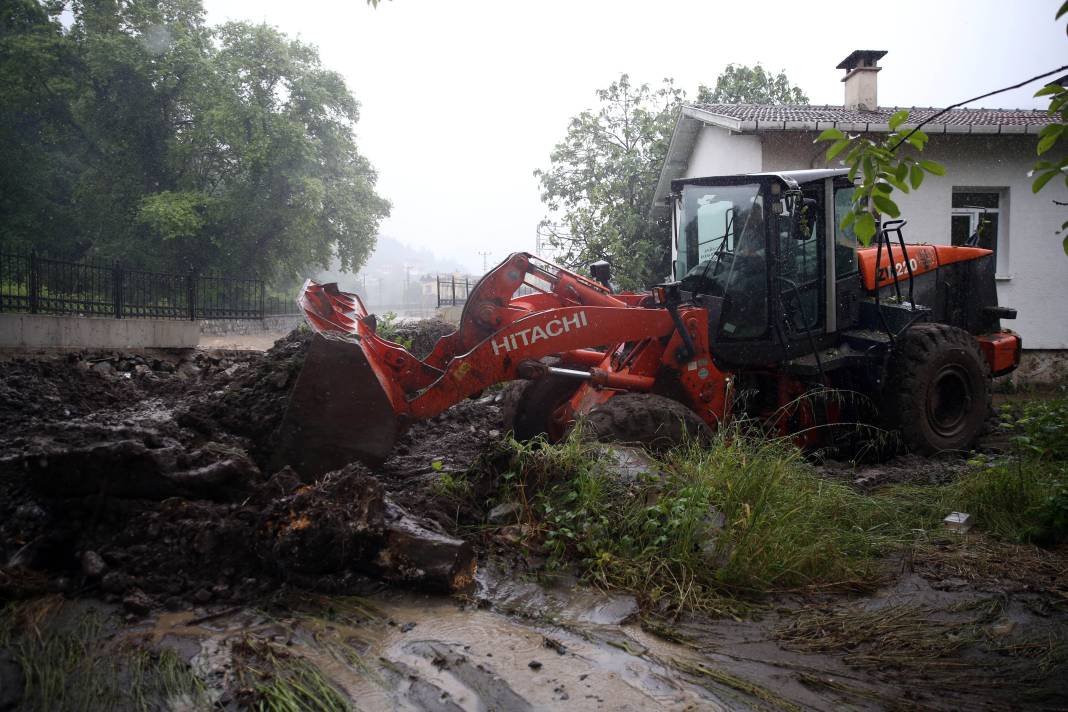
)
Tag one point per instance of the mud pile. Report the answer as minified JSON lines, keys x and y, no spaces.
{"x":146,"y":480}
{"x":252,"y":397}
{"x":422,"y":334}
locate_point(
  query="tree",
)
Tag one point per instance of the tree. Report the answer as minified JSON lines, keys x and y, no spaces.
{"x":739,"y":84}
{"x":142,"y":134}
{"x":602,"y":178}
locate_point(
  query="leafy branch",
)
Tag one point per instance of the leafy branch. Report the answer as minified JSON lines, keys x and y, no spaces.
{"x":1046,"y":170}
{"x":881,"y":169}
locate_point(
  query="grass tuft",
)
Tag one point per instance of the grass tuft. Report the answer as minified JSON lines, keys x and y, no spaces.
{"x":735,"y":516}
{"x":70,"y":663}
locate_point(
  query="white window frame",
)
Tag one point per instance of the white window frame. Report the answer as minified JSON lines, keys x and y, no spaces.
{"x":1002,"y":270}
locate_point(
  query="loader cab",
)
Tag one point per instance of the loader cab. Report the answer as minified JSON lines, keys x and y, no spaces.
{"x":763,"y":253}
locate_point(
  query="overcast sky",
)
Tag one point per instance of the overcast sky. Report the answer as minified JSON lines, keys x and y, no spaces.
{"x":463,"y":99}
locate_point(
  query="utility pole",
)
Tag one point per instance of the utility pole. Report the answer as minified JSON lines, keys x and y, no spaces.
{"x":407,"y":283}
{"x":484,"y":256}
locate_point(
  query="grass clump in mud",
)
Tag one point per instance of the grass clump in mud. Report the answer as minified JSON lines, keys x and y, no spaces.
{"x":1020,"y":495}
{"x":69,"y":661}
{"x":735,"y":516}
{"x":275,"y":679}
{"x":909,"y":641}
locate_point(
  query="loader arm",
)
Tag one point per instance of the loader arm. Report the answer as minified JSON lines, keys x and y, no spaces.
{"x":357,"y":391}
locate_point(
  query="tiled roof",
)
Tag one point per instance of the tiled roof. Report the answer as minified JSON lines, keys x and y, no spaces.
{"x":761,"y":113}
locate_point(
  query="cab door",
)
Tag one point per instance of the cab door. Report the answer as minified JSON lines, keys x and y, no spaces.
{"x":800,"y":274}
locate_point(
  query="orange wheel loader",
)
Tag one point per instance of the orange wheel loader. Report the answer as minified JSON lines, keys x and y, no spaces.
{"x":772,"y":304}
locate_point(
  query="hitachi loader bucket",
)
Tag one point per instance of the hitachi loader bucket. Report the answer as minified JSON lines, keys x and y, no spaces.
{"x":340,"y":409}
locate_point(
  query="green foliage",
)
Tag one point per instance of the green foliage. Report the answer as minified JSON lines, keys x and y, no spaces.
{"x":739,"y":84}
{"x":1039,"y":427}
{"x":71,"y":661}
{"x":738,"y":516}
{"x":1021,"y":495}
{"x":1017,"y":499}
{"x":1050,"y":138}
{"x":174,"y":215}
{"x":881,"y":170}
{"x":142,"y":134}
{"x":601,"y":181}
{"x":450,"y":485}
{"x":386,"y":328}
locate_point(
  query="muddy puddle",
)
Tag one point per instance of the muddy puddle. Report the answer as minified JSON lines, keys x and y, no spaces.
{"x":411,"y":652}
{"x":522,"y":645}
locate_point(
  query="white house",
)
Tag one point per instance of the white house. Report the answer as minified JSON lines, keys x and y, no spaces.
{"x":987,"y":154}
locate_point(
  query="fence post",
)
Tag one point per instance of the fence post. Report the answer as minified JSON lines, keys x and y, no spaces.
{"x":453,"y":302}
{"x":117,"y":277}
{"x":263,"y":300}
{"x":191,"y":293}
{"x":35,"y":282}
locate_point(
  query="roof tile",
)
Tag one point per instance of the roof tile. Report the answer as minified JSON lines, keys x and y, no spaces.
{"x":809,"y":114}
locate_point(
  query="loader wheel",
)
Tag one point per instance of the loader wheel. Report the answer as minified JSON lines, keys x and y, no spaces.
{"x":645,"y":419}
{"x":938,"y":389}
{"x":529,"y":413}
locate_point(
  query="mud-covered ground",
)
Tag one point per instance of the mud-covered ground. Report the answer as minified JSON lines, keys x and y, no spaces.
{"x":143,"y":489}
{"x":149,"y":481}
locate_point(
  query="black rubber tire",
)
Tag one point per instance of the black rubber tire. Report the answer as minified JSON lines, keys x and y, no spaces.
{"x":528,"y":413}
{"x":937,"y":391}
{"x":646,"y":419}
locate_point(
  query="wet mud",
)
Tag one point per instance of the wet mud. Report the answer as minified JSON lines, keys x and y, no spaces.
{"x":140,"y":492}
{"x":150,"y":482}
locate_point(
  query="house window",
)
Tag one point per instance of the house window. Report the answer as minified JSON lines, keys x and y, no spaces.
{"x":977,"y":220}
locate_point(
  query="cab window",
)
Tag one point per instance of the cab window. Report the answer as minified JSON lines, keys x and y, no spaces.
{"x":845,"y":241}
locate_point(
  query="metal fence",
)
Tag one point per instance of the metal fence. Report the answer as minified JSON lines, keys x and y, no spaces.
{"x":453,"y":291}
{"x":38,"y":285}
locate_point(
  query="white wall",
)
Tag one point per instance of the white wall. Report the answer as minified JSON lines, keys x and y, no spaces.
{"x":719,"y":152}
{"x":1036,"y":275}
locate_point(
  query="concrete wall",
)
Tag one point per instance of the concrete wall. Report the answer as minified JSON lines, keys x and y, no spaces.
{"x":222,"y":327}
{"x":1041,"y":368}
{"x":1032,"y":268}
{"x":38,"y":331}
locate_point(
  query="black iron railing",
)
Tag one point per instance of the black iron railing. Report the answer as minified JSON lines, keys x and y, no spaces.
{"x":34,"y":284}
{"x":453,"y":290}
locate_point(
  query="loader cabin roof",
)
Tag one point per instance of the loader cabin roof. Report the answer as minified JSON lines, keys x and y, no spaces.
{"x":759,"y":118}
{"x":799,"y":176}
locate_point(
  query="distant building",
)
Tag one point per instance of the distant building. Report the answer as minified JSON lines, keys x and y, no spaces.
{"x":987,"y":154}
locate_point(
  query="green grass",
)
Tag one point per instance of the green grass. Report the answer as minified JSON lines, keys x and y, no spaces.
{"x":736,"y":516}
{"x":451,"y":485}
{"x":277,"y":680}
{"x":69,"y":662}
{"x":1021,"y":495}
{"x":739,"y":517}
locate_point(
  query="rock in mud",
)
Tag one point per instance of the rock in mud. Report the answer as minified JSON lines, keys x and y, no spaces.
{"x":503,"y":512}
{"x":415,"y":554}
{"x":223,"y":479}
{"x":137,"y":602}
{"x":93,"y":565}
{"x":346,"y":523}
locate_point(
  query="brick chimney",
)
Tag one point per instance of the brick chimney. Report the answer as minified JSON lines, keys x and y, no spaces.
{"x":861,"y":67}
